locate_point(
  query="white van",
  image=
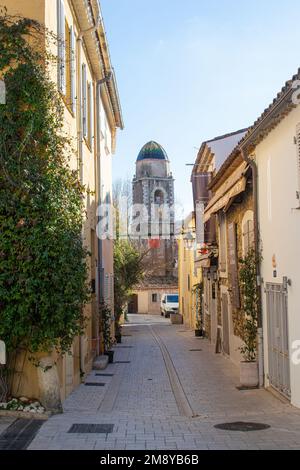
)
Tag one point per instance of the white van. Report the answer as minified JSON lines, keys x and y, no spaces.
{"x":169,"y":304}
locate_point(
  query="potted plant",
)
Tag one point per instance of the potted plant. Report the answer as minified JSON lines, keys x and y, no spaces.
{"x":106,"y":330}
{"x":118,"y":332}
{"x":199,"y":329}
{"x":198,"y":289}
{"x":250,"y":304}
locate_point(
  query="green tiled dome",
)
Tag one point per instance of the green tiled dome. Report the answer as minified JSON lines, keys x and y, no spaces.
{"x":152,"y":150}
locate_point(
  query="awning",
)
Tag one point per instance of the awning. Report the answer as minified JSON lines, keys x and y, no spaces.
{"x":234,"y":185}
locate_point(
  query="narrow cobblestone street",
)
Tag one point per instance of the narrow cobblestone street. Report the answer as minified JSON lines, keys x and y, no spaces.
{"x":147,"y":400}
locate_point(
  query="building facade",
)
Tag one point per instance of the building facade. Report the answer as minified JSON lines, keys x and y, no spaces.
{"x":231,"y":207}
{"x":87,"y":85}
{"x":189,"y":276}
{"x":273,"y":148}
{"x":210,"y":230}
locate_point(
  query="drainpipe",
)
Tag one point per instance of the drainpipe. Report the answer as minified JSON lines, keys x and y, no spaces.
{"x":80,"y":165}
{"x":99,"y":84}
{"x":260,"y":348}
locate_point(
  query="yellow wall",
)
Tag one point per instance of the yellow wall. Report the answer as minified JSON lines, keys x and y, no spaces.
{"x":84,"y":349}
{"x":188,"y":277}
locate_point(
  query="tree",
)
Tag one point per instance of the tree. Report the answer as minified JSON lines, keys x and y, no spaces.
{"x":128,"y":272}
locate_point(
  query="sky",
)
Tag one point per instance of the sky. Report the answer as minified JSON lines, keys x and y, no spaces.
{"x":190,"y":70}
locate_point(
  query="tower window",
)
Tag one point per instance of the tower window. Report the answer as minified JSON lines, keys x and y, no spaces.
{"x":159,"y":197}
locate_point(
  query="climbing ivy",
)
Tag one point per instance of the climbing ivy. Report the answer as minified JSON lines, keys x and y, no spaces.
{"x":43,"y":268}
{"x":250,"y":305}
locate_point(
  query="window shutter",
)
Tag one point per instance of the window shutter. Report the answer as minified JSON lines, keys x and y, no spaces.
{"x":298,"y":156}
{"x":73,"y":69}
{"x":61,"y":36}
{"x":84,"y":101}
{"x":91,"y":111}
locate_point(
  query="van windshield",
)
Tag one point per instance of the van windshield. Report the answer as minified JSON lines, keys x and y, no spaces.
{"x":172,"y":299}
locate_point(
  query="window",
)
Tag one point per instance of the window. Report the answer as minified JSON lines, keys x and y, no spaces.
{"x":222,"y":241}
{"x":61,"y":35}
{"x":248,"y":232}
{"x":159,"y":197}
{"x":84,"y":102}
{"x":72,"y":57}
{"x":154,"y":298}
{"x":172,"y":299}
{"x":66,"y":58}
{"x":90,"y":117}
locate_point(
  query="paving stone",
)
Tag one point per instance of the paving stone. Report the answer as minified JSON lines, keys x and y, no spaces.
{"x":145,"y":413}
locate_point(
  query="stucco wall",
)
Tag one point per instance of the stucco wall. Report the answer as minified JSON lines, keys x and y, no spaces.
{"x":45,"y":12}
{"x":279,"y":226}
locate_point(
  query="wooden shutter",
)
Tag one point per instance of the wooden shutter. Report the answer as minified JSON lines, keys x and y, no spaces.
{"x":84,"y":101}
{"x":222,"y":242}
{"x":61,"y":37}
{"x":91,"y":114}
{"x":73,"y":68}
{"x":233,"y":265}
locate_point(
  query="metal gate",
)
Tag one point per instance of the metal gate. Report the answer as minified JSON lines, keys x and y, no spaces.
{"x":278,"y":340}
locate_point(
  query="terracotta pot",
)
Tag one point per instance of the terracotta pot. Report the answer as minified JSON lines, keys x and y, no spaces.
{"x":176,"y":318}
{"x":249,"y":374}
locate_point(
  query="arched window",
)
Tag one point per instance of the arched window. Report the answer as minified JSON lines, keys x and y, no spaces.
{"x":248,"y":232}
{"x":159,"y":197}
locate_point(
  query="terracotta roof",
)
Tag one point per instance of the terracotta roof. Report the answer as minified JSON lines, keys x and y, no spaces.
{"x":158,"y":283}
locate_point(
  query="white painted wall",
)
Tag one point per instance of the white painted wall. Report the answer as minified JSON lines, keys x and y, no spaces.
{"x":280,"y":225}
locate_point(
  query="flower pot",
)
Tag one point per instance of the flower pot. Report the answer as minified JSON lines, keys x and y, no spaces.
{"x":110,"y":355}
{"x":249,"y":374}
{"x":118,"y":338}
{"x":199,"y":333}
{"x":176,"y":318}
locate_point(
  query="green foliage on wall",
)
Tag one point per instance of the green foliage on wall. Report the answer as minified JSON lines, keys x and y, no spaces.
{"x":250,"y":305}
{"x":43,"y":269}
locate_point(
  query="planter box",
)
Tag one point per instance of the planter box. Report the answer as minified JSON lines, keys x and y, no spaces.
{"x":25,"y":414}
{"x":176,"y":319}
{"x":249,"y":374}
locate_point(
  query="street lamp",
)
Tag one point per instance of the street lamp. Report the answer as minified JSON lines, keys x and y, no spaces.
{"x":189,"y":240}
